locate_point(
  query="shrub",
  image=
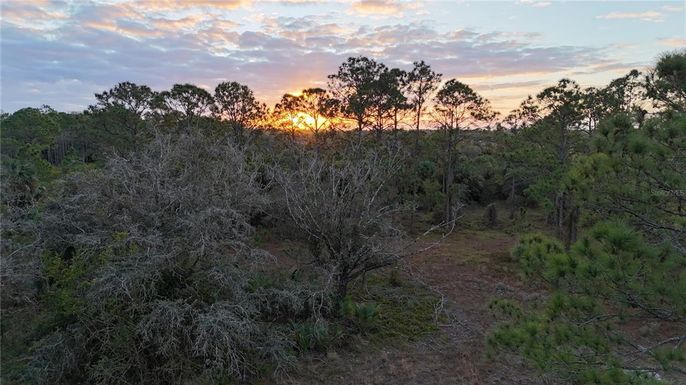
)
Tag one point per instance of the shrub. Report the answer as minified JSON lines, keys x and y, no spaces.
{"x":610,"y":278}
{"x":148,"y":275}
{"x":315,"y":336}
{"x":346,"y":212}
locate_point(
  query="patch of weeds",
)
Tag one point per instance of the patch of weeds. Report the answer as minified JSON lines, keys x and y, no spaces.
{"x":394,"y":310}
{"x":315,"y":336}
{"x":261,"y":236}
{"x":362,"y":316}
{"x":388,"y":309}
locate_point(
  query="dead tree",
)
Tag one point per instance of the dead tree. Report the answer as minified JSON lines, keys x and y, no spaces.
{"x":345,"y":208}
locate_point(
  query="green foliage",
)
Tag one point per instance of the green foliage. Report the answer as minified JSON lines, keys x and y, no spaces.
{"x":66,"y":279}
{"x":666,"y":85}
{"x":23,"y":183}
{"x":29,"y":131}
{"x":610,"y":278}
{"x":385,"y":312}
{"x":119,"y":115}
{"x":396,"y":311}
{"x":313,"y":336}
{"x":627,"y":271}
{"x":638,"y":175}
{"x":26,"y":134}
{"x":363,"y":316}
{"x":420,"y":183}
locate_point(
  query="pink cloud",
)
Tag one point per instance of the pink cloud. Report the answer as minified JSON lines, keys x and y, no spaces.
{"x":676,"y":42}
{"x":102,"y":44}
{"x":380,"y":7}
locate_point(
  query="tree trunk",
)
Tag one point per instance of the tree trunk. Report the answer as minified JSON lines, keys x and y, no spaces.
{"x":416,"y":137}
{"x":342,"y":289}
{"x":512,"y":198}
{"x":572,"y":226}
{"x":560,"y":214}
{"x":360,"y":125}
{"x":448,"y":178}
{"x":238,"y":132}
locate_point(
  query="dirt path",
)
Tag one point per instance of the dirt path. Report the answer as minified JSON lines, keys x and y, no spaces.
{"x":469,"y":268}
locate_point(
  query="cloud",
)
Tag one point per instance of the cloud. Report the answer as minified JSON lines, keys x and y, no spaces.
{"x":673,"y":8}
{"x":508,"y":85}
{"x":170,"y":5}
{"x":36,"y":15}
{"x":652,"y":16}
{"x":298,"y":2}
{"x":380,"y":7}
{"x":609,"y":66}
{"x":96,"y":45}
{"x":535,"y":3}
{"x":676,"y":42}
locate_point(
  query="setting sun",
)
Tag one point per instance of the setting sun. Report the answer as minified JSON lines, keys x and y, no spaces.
{"x":304,"y":121}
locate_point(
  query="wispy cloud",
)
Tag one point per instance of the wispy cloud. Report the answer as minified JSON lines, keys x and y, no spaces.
{"x":60,"y":53}
{"x":536,"y":3}
{"x":676,"y":42}
{"x":381,"y":7}
{"x":167,"y":5}
{"x":673,"y":7}
{"x":653,"y":16}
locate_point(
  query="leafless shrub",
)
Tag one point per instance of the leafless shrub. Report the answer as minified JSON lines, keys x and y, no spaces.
{"x":224,"y":335}
{"x":344,"y":209}
{"x":163,"y":286}
{"x":166,"y":326}
{"x":18,"y":266}
{"x":56,"y":360}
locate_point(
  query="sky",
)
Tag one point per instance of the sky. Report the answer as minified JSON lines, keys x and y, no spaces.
{"x":60,"y":53}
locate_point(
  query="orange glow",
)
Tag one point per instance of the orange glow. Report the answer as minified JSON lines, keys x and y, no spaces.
{"x":303,"y":121}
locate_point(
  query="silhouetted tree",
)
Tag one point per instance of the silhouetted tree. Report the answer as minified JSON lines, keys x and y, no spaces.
{"x":288,"y":113}
{"x":523,"y":116}
{"x":317,"y":104}
{"x":119,"y":113}
{"x":457,"y":107}
{"x":188,"y":102}
{"x":236,"y":104}
{"x":422,"y":81}
{"x":666,"y":83}
{"x":395,"y":82}
{"x":353,"y":87}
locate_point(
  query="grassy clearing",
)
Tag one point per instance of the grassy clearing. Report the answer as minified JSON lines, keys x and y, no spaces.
{"x":384,"y":309}
{"x":406,"y":311}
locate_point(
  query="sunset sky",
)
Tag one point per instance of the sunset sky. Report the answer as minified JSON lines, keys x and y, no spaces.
{"x":60,"y":53}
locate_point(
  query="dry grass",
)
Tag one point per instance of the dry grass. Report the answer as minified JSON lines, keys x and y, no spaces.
{"x":469,"y":268}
